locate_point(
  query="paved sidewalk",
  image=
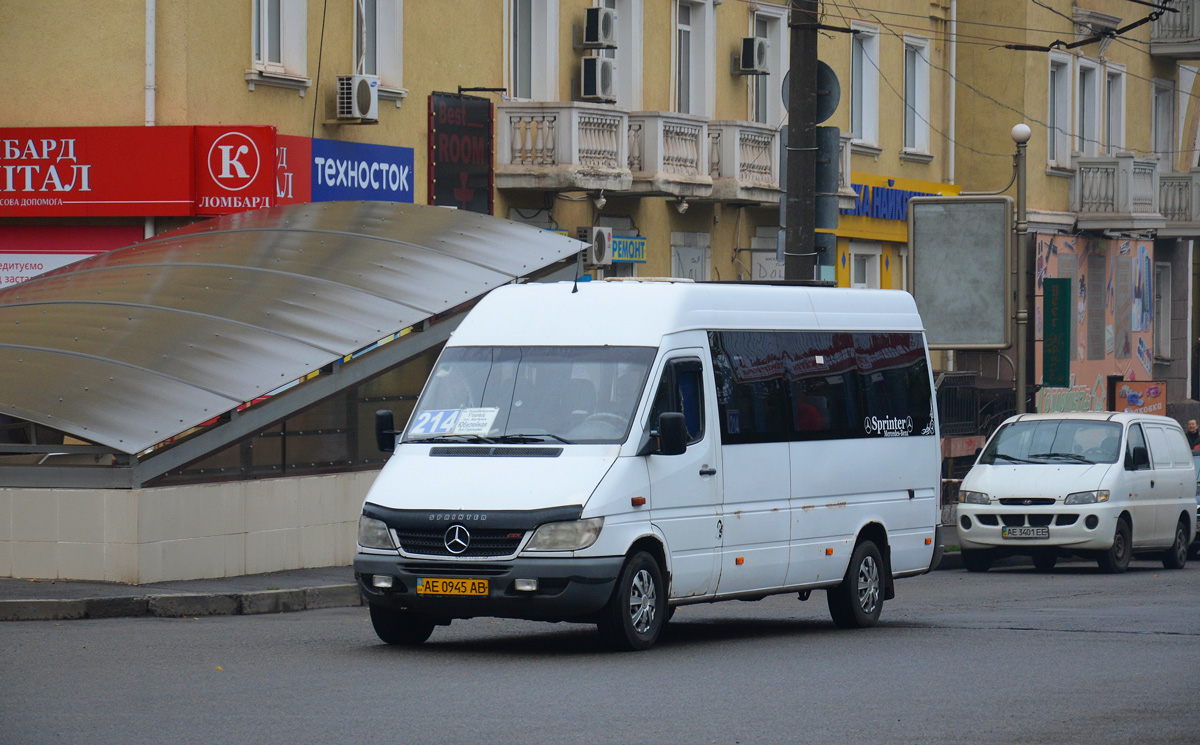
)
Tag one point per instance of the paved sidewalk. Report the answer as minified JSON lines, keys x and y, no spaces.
{"x":276,"y":592}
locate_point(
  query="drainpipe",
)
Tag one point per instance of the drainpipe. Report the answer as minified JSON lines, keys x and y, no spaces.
{"x":151,"y":16}
{"x":953,"y":86}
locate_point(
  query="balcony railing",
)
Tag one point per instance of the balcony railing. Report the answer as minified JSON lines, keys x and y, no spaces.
{"x":1177,"y":35}
{"x":1116,"y":192}
{"x":744,"y":162}
{"x":562,"y":146}
{"x":1179,"y":202}
{"x":668,"y":154}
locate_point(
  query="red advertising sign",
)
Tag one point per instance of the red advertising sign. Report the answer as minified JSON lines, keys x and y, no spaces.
{"x":29,"y":250}
{"x":235,"y":169}
{"x":293,"y":169}
{"x":96,"y":171}
{"x":1141,"y":397}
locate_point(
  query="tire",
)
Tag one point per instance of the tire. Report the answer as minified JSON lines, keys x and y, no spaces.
{"x":1116,"y":559}
{"x":857,"y":602}
{"x":400,"y":627}
{"x":977,"y":560}
{"x":1176,"y":556}
{"x":1044,"y":561}
{"x":637,"y":610}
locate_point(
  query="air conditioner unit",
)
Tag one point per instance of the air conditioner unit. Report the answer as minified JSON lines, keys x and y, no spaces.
{"x":753,"y":60}
{"x":599,"y":249}
{"x":596,"y":79}
{"x":358,"y":97}
{"x":600,"y":29}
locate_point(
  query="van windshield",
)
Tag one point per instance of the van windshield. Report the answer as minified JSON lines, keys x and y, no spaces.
{"x":1054,"y":441}
{"x":531,"y":394}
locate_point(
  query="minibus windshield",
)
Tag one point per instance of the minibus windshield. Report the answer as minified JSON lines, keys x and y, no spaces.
{"x":1054,"y":441}
{"x":531,"y":394}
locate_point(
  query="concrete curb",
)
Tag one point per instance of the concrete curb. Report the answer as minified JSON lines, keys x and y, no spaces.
{"x":183,"y":605}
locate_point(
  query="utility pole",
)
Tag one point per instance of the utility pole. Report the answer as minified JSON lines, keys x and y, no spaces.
{"x":800,"y":253}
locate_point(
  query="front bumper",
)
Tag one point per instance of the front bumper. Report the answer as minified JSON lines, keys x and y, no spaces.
{"x":569,"y":589}
{"x":1076,"y":527}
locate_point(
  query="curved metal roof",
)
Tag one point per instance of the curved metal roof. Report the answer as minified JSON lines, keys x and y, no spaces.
{"x":134,"y":346}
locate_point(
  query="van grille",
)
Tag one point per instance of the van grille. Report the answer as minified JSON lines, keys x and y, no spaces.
{"x":1027,"y":501}
{"x":484,"y":542}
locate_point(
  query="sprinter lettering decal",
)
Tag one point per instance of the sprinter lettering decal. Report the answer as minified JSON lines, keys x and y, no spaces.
{"x":888,"y":427}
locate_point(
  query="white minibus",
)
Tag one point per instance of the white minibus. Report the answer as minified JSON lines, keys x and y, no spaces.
{"x":606,"y":451}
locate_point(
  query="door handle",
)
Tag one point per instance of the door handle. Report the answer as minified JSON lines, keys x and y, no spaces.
{"x":708,"y":472}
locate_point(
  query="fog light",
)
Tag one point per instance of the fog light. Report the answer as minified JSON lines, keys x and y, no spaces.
{"x":1091,"y":522}
{"x":381,"y":580}
{"x":965,"y":522}
{"x":525,"y":585}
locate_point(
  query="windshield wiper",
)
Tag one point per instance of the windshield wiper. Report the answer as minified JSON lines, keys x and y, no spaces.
{"x":1068,"y":456}
{"x":1013,"y":458}
{"x":453,"y":438}
{"x":532,"y":437}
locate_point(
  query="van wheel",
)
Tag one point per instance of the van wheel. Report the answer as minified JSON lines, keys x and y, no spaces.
{"x":857,"y":602}
{"x":976,"y":560}
{"x":1177,"y":555}
{"x":637,"y":610}
{"x":400,"y":627}
{"x":1045,"y":561}
{"x":1116,"y":559}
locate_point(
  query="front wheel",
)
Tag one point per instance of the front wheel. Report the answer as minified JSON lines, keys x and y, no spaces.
{"x":977,"y":560}
{"x":637,"y":610}
{"x":1177,"y":555}
{"x":1116,"y":559}
{"x":857,"y":602}
{"x":400,"y":627}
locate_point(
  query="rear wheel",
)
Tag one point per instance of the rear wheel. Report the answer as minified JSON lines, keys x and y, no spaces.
{"x":1116,"y":559}
{"x":400,"y":627}
{"x":977,"y":560}
{"x":637,"y":610}
{"x":1177,"y":555}
{"x":857,"y":602}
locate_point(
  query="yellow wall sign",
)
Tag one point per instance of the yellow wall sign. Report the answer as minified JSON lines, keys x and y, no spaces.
{"x":881,"y":211}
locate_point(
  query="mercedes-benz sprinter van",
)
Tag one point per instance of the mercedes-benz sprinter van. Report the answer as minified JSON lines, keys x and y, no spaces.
{"x":607,"y":451}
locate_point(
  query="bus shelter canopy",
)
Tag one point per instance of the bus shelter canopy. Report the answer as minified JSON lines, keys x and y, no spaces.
{"x":134,"y":346}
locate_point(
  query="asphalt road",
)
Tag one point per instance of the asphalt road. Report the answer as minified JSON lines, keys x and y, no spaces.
{"x":1011,"y":656}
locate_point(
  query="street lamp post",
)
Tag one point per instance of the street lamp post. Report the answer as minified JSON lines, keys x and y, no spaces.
{"x":1020,"y":134}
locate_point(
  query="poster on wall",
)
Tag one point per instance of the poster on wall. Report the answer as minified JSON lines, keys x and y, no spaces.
{"x":1141,"y":397}
{"x":461,"y":152}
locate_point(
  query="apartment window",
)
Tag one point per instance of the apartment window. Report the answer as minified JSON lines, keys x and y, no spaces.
{"x":379,"y":40}
{"x":759,"y":82}
{"x":766,"y":99}
{"x":533,"y":49}
{"x":627,"y":57}
{"x":1087,"y":110}
{"x":864,"y":85}
{"x":694,"y":70}
{"x":864,"y":264}
{"x":1058,"y":112}
{"x":1164,"y":123}
{"x":1114,"y":111}
{"x":280,"y":31}
{"x":916,"y":95}
{"x":691,"y":256}
{"x":1162,"y":310}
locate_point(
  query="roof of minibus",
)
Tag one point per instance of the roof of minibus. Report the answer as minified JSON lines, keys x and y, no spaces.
{"x":640,"y":313}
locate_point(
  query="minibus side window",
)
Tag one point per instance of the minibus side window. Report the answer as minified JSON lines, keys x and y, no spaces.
{"x":681,"y":390}
{"x":1136,"y":441}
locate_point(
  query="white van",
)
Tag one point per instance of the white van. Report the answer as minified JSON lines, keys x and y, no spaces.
{"x":1096,"y":484}
{"x":605,"y":452}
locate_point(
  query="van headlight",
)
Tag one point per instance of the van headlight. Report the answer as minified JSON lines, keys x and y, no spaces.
{"x":374,"y":533}
{"x":575,"y":535}
{"x":974,"y":497}
{"x":1087,"y":497}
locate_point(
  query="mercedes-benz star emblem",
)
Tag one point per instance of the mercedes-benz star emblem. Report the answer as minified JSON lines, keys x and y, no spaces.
{"x":457,"y":539}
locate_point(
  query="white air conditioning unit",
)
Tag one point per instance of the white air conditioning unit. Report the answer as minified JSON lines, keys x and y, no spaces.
{"x":600,"y":28}
{"x":599,"y":249}
{"x":358,"y":97}
{"x":596,"y":79}
{"x":753,"y":59}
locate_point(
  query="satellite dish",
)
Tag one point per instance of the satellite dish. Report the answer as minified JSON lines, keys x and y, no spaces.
{"x":829,"y":91}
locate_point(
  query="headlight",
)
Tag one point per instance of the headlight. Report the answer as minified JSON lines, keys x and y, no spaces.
{"x":1087,"y":497}
{"x":374,"y":533}
{"x":569,"y":536}
{"x":973,"y":497}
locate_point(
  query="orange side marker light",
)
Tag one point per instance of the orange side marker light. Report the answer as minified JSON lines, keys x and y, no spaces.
{"x":829,"y":552}
{"x":739,"y":561}
{"x":637,"y":501}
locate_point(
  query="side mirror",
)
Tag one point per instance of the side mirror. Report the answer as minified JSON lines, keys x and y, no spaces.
{"x":1136,"y":459}
{"x":385,"y":431}
{"x":672,"y":433}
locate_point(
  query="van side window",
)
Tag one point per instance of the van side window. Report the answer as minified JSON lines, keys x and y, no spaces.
{"x":1137,"y":456}
{"x":681,"y":390}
